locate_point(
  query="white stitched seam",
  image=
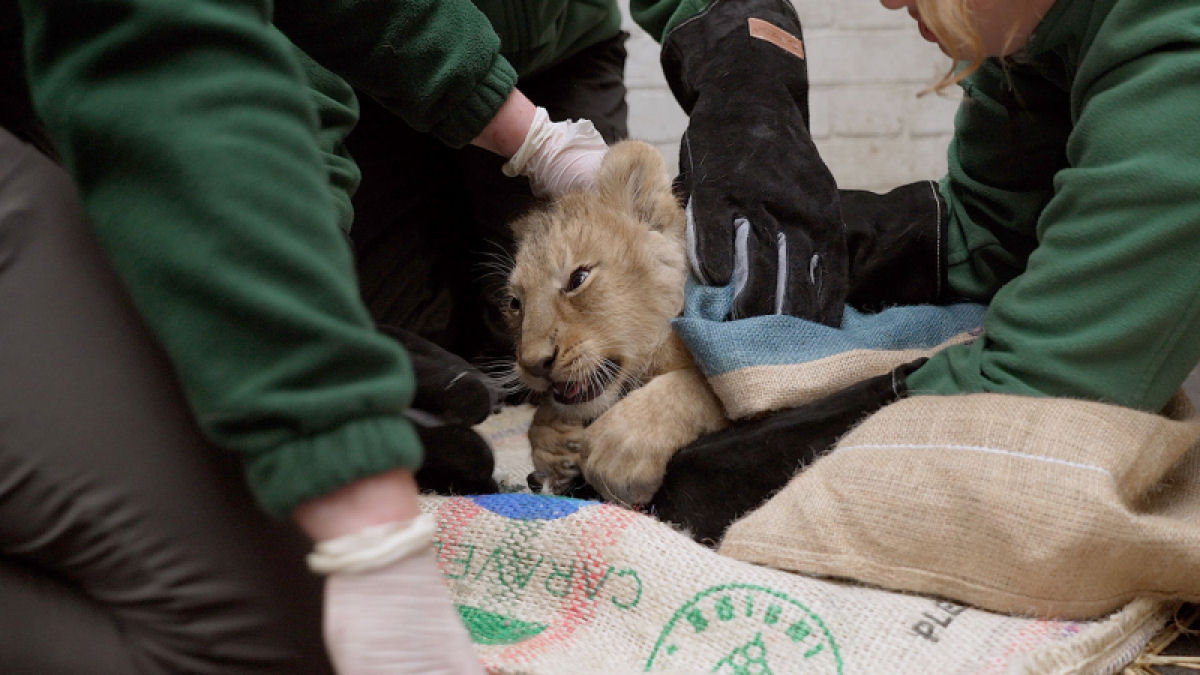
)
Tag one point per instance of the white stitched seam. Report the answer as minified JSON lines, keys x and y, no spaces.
{"x":976,"y":448}
{"x":456,"y":379}
{"x":781,"y":271}
{"x":937,"y":237}
{"x":741,"y":258}
{"x":690,"y":233}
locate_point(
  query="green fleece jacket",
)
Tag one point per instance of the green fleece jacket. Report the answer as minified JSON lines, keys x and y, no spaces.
{"x":206,"y":149}
{"x":1074,"y":194}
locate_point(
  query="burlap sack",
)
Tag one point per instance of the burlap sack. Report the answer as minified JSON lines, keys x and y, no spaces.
{"x":557,"y":586}
{"x":565,"y":587}
{"x":1051,"y":507}
{"x":753,"y":390}
{"x":763,"y":363}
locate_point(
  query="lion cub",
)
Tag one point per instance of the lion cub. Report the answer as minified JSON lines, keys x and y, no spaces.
{"x":598,"y":276}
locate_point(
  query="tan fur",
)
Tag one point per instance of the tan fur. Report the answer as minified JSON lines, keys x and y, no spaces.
{"x":628,"y":234}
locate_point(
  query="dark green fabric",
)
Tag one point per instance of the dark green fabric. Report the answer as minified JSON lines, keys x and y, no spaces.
{"x":435,"y":63}
{"x":191,"y":133}
{"x":659,"y":17}
{"x":337,"y":114}
{"x":1073,"y":209}
{"x":210,"y":163}
{"x":16,"y":110}
{"x":535,"y":35}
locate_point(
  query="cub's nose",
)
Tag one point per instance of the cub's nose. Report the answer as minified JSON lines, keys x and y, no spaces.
{"x":539,"y":365}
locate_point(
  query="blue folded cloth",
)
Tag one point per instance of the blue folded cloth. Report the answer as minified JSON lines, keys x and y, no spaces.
{"x":721,"y":346}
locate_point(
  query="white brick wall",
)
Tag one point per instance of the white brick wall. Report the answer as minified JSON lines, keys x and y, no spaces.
{"x":866,"y":66}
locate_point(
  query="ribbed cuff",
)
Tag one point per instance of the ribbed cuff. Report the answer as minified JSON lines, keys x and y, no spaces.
{"x":469,"y":116}
{"x":317,"y":465}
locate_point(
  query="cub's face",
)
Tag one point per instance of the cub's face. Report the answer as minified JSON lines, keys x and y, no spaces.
{"x":598,"y":276}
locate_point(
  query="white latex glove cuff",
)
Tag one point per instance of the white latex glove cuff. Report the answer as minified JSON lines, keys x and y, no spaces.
{"x":558,"y":157}
{"x":387,"y":609}
{"x":373,"y":547}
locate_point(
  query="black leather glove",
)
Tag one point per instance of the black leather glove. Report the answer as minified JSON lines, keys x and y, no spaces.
{"x":457,"y":461}
{"x":452,"y":395}
{"x":720,"y":477}
{"x":897,"y":245}
{"x":761,"y":204}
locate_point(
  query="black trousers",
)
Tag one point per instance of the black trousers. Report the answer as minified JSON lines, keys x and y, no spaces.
{"x":127,"y":543}
{"x":430,"y":233}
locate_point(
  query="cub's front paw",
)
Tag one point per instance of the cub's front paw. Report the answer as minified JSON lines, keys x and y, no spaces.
{"x":557,"y":448}
{"x":624,"y":460}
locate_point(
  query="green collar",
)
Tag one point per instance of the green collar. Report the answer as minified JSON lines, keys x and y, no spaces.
{"x":1061,"y":25}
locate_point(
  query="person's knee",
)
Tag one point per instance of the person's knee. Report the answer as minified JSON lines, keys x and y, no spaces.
{"x":52,"y":624}
{"x":244,"y":634}
{"x":167,"y":587}
{"x":37,"y":196}
{"x":223,"y":607}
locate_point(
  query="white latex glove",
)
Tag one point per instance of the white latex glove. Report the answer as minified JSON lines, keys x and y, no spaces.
{"x":558,"y":157}
{"x":387,"y":609}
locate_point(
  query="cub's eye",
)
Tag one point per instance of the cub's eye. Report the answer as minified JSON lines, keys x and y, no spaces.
{"x":577,"y":278}
{"x":514,"y":303}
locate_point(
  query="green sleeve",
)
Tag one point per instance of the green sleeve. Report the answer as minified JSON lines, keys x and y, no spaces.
{"x":191,"y":133}
{"x":659,"y":17}
{"x":337,"y":113}
{"x":1006,"y":149}
{"x":1107,"y":306}
{"x":435,"y":63}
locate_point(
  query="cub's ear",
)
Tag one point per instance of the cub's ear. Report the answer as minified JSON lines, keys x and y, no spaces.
{"x":634,"y":174}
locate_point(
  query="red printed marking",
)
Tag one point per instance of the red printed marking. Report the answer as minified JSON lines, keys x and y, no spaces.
{"x":1030,"y":636}
{"x":453,"y":516}
{"x":578,"y":607}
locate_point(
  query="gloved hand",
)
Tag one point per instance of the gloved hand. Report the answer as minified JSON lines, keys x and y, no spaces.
{"x":451,"y":397}
{"x":447,"y":386}
{"x":720,"y":477}
{"x":387,"y":609}
{"x":558,"y":157}
{"x":897,"y":246}
{"x":762,"y":207}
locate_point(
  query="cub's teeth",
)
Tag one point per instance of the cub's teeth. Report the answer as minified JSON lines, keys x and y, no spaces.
{"x":572,"y":390}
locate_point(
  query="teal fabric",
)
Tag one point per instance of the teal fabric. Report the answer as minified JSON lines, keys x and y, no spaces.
{"x":720,"y":346}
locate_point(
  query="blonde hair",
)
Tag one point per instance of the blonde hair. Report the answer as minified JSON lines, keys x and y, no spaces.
{"x":951,"y":21}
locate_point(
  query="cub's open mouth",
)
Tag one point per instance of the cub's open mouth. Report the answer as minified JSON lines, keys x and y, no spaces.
{"x":575,"y":392}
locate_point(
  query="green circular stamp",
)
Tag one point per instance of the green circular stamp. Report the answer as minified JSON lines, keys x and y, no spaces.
{"x":741,"y":629}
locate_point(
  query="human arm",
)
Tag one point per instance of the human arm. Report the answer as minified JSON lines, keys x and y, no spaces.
{"x":386,"y":605}
{"x":435,"y":63}
{"x":386,"y":608}
{"x":762,"y":207}
{"x":1103,"y":308}
{"x":438,"y":66}
{"x":191,"y":135}
{"x":658,"y":17}
{"x":193,"y":140}
{"x":507,"y":130}
{"x":1003,"y":158}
